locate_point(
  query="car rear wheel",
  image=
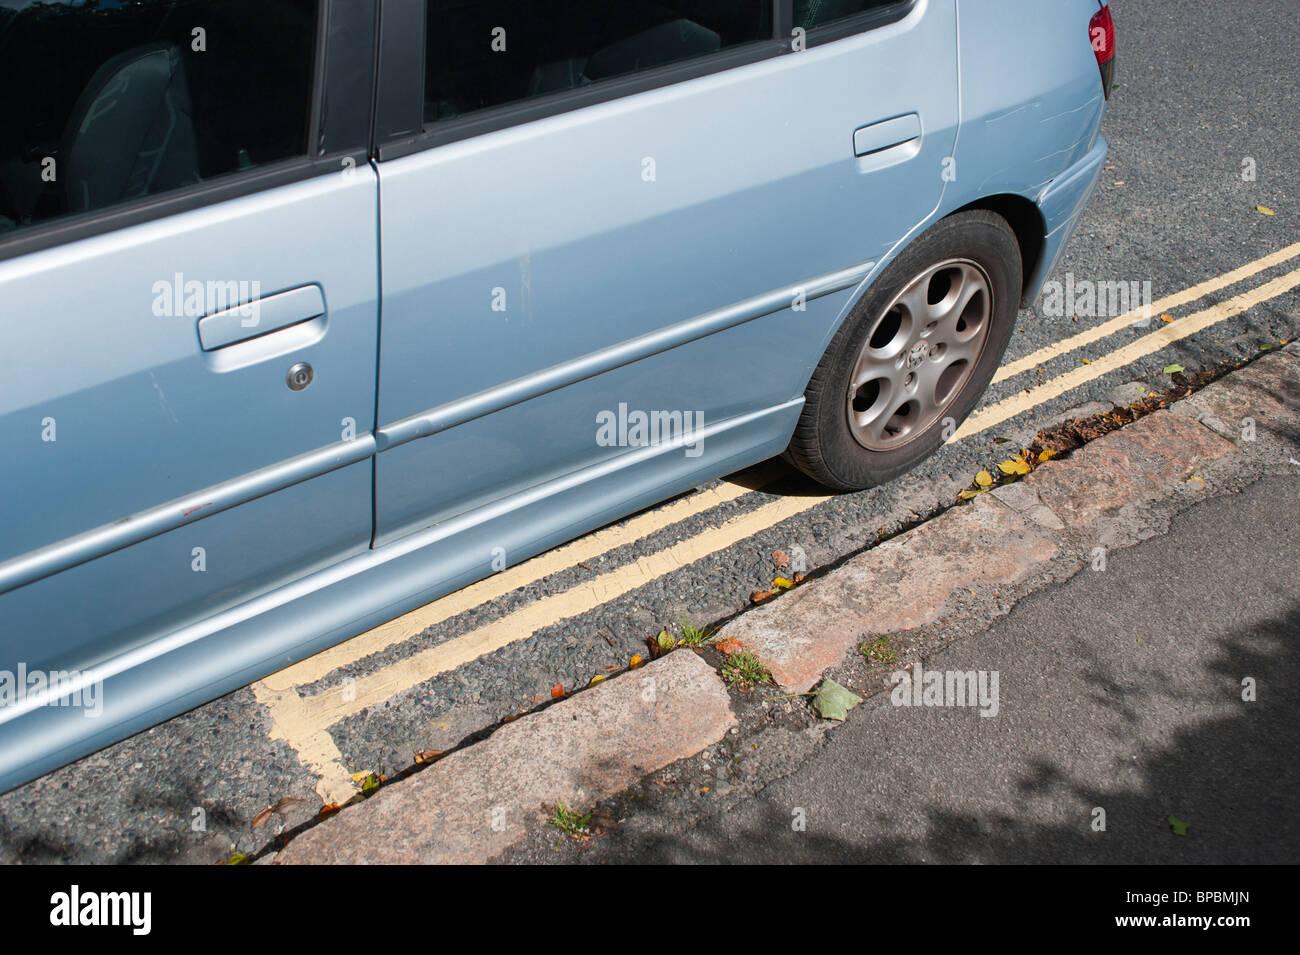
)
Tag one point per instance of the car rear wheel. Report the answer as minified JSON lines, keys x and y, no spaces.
{"x":914,"y":357}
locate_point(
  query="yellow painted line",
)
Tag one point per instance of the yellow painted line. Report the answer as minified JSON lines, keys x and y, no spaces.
{"x":383,"y":684}
{"x":304,"y":721}
{"x":1075,"y":342}
{"x":314,"y":745}
{"x":1164,"y":336}
{"x":593,"y":545}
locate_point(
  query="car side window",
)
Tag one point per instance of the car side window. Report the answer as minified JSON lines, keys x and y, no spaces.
{"x":485,"y":53}
{"x":109,"y":101}
{"x":810,"y":14}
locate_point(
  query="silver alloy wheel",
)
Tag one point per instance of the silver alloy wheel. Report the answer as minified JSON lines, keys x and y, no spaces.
{"x":921,"y":351}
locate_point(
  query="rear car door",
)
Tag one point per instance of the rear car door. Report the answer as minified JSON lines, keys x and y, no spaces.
{"x":660,"y":206}
{"x":188,"y":323}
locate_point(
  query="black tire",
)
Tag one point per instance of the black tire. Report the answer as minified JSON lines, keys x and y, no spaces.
{"x":824,"y":445}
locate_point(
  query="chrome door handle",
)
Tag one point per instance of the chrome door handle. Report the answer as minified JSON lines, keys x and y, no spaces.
{"x":886,"y":134}
{"x":261,"y":316}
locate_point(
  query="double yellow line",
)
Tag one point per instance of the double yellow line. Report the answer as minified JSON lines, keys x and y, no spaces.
{"x":304,"y":721}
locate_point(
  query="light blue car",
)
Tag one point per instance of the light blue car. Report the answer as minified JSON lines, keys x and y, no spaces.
{"x":313,"y":311}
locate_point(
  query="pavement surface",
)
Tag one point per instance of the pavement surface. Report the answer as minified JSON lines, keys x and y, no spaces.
{"x":1192,"y":107}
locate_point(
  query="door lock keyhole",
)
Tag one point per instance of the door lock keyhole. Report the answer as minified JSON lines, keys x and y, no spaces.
{"x":300,"y":376}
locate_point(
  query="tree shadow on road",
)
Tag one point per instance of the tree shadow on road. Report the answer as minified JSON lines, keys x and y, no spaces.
{"x":1233,"y":777}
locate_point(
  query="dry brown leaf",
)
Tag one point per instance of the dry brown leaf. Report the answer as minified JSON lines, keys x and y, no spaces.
{"x":729,"y":646}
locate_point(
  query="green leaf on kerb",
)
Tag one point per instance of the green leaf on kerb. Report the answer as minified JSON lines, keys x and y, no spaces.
{"x":833,"y":702}
{"x":1178,"y":826}
{"x":1172,"y":369}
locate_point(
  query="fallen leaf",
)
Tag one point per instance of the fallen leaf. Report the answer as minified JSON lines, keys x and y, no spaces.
{"x":328,"y":810}
{"x":1265,"y":210}
{"x":636,"y":661}
{"x":833,"y":702}
{"x":237,"y":858}
{"x":984,"y":479}
{"x":1178,"y":826}
{"x":762,"y":596}
{"x":260,"y":819}
{"x":429,"y":755}
{"x":557,"y":691}
{"x":285,"y":804}
{"x":1166,"y":317}
{"x":1016,"y":465}
{"x":598,"y":678}
{"x":782,"y":583}
{"x":728,"y":646}
{"x":1172,"y":369}
{"x":967,"y":495}
{"x":1046,"y":454}
{"x":370,"y":785}
{"x":780,"y":558}
{"x":1086,"y":361}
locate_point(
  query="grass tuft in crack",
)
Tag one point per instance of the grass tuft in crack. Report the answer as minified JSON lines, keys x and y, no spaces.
{"x":744,"y":668}
{"x":693,"y":636}
{"x":878,"y":651}
{"x":569,"y":822}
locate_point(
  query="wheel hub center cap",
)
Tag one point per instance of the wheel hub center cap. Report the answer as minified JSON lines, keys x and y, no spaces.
{"x":917,"y":354}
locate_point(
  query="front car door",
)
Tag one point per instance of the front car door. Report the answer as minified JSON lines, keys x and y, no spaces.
{"x":188,"y":327}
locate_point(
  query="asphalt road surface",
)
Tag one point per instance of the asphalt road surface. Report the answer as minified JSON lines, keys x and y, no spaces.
{"x":1204,"y":96}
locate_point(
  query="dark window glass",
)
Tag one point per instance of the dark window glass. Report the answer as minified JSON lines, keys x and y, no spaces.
{"x":810,"y":14}
{"x":484,"y":53}
{"x":111,"y":100}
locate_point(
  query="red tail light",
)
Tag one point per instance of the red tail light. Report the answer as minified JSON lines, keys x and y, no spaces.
{"x":1101,"y":32}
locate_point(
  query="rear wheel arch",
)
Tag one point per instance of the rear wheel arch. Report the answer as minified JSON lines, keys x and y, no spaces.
{"x":1027,"y":222}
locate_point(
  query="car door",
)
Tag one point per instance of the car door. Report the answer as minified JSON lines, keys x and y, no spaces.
{"x":662,"y":208}
{"x":188,"y":322}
